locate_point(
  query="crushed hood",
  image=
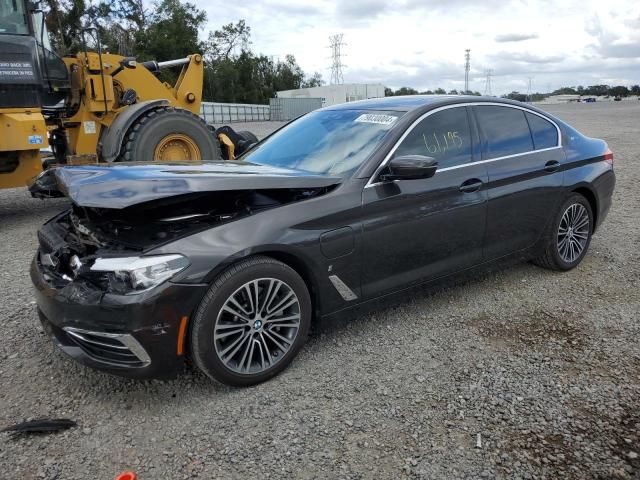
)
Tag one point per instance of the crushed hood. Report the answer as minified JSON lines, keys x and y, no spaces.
{"x":120,"y":185}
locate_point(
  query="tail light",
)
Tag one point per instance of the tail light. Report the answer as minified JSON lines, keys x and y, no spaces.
{"x":608,"y":157}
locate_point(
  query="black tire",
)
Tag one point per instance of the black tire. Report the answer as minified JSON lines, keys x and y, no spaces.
{"x":204,"y":347}
{"x":151,"y":128}
{"x":248,"y":141}
{"x":551,"y":258}
{"x":249,"y":136}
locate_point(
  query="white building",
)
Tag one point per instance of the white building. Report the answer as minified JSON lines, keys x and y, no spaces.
{"x":334,"y":94}
{"x":564,"y":98}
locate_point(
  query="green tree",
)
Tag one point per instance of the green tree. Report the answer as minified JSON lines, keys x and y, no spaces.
{"x":406,"y":91}
{"x":173,"y":31}
{"x":565,"y":91}
{"x":619,"y":91}
{"x":230,"y":38}
{"x":597,"y":90}
{"x":520,"y":97}
{"x":66,"y":19}
{"x":313,"y":81}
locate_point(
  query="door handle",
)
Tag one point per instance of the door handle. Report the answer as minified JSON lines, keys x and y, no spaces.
{"x":552,"y":166}
{"x":471,"y":185}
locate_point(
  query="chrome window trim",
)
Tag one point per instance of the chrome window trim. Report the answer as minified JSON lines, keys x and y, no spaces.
{"x":371,"y":183}
{"x":497,"y":158}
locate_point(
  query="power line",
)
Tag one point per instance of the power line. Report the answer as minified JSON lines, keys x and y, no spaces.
{"x":487,"y":82}
{"x":336,"y":54}
{"x":467,"y":65}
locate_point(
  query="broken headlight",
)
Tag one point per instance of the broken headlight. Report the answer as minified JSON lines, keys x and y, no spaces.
{"x":129,"y":275}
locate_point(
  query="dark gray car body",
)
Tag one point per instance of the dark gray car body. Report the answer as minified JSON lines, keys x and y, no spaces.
{"x":352,"y":239}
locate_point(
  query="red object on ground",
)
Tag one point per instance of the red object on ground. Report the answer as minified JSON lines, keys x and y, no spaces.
{"x":127,"y":476}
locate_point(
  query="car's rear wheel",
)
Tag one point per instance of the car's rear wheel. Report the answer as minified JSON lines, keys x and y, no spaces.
{"x":251,"y":323}
{"x":570,"y":235}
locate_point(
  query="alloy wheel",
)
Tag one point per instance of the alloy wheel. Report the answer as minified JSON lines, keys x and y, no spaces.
{"x":573,"y":232}
{"x":257,"y":325}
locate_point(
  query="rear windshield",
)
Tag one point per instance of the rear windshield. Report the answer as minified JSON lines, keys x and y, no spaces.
{"x":334,"y":142}
{"x":13,"y":19}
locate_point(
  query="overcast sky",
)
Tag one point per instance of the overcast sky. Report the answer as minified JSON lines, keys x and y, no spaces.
{"x":421,"y":43}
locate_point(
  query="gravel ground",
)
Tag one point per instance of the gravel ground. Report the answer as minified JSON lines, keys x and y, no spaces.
{"x":516,"y":373}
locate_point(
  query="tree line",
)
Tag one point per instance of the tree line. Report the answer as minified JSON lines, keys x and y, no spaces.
{"x":169,"y":30}
{"x":594,"y":90}
{"x":591,"y":91}
{"x":438,"y":91}
{"x":599,"y":90}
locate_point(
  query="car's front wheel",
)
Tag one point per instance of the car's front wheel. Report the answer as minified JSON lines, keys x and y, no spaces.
{"x":251,"y":323}
{"x":570,"y":235}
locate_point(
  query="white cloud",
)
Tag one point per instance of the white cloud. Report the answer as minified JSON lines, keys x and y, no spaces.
{"x":515,"y":37}
{"x":421,"y":43}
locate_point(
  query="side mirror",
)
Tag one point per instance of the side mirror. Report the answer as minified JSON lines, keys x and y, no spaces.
{"x":409,"y":167}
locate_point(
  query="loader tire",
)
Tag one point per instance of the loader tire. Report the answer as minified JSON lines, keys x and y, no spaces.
{"x":169,"y":134}
{"x":249,"y":136}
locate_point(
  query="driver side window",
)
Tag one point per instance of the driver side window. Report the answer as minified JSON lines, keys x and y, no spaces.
{"x":444,"y":135}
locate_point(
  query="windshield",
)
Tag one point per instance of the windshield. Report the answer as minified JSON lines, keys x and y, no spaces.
{"x":13,"y":19}
{"x":332,"y":142}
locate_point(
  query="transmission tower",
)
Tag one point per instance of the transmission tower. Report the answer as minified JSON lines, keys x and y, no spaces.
{"x":487,"y":82}
{"x":467,"y":65}
{"x":529,"y":89}
{"x":336,"y":61}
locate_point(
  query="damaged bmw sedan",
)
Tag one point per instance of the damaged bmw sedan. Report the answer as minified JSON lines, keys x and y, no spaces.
{"x":229,"y":263}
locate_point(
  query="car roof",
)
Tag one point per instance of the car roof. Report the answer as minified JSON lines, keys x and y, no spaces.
{"x":407,"y":103}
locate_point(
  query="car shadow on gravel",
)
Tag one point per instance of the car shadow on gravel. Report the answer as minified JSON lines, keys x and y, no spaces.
{"x":431,"y":291}
{"x":366,"y":318}
{"x":115,"y":389}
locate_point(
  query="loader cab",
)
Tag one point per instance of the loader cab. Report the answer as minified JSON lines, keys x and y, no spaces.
{"x":31,"y":74}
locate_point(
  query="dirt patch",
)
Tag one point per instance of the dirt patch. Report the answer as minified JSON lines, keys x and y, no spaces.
{"x":539,"y":328}
{"x":592,"y":435}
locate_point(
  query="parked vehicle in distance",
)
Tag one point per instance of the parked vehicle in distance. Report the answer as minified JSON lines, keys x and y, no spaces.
{"x":229,"y":263}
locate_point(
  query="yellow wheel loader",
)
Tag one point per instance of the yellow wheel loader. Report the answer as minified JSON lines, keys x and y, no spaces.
{"x":95,"y":106}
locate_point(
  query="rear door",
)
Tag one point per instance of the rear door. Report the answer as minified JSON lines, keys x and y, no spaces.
{"x":416,"y":230}
{"x":524,"y":157}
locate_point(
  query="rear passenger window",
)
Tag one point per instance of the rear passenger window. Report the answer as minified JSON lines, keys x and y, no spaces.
{"x":506,"y":130}
{"x":444,"y":135}
{"x":544,"y":133}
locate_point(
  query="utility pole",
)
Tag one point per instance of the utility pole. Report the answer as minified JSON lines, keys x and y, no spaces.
{"x":467,"y":65}
{"x":487,"y":83}
{"x":529,"y":89}
{"x":336,"y":60}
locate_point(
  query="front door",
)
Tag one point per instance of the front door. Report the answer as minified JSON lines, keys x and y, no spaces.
{"x":416,"y":230}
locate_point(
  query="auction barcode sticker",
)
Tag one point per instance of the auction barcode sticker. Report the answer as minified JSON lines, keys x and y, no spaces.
{"x":376,"y":118}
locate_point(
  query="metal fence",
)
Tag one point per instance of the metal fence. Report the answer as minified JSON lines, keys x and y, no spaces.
{"x":285,"y":109}
{"x":280,"y":109}
{"x":218,"y":113}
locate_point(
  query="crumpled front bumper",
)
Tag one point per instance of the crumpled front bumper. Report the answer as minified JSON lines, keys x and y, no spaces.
{"x":129,"y":335}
